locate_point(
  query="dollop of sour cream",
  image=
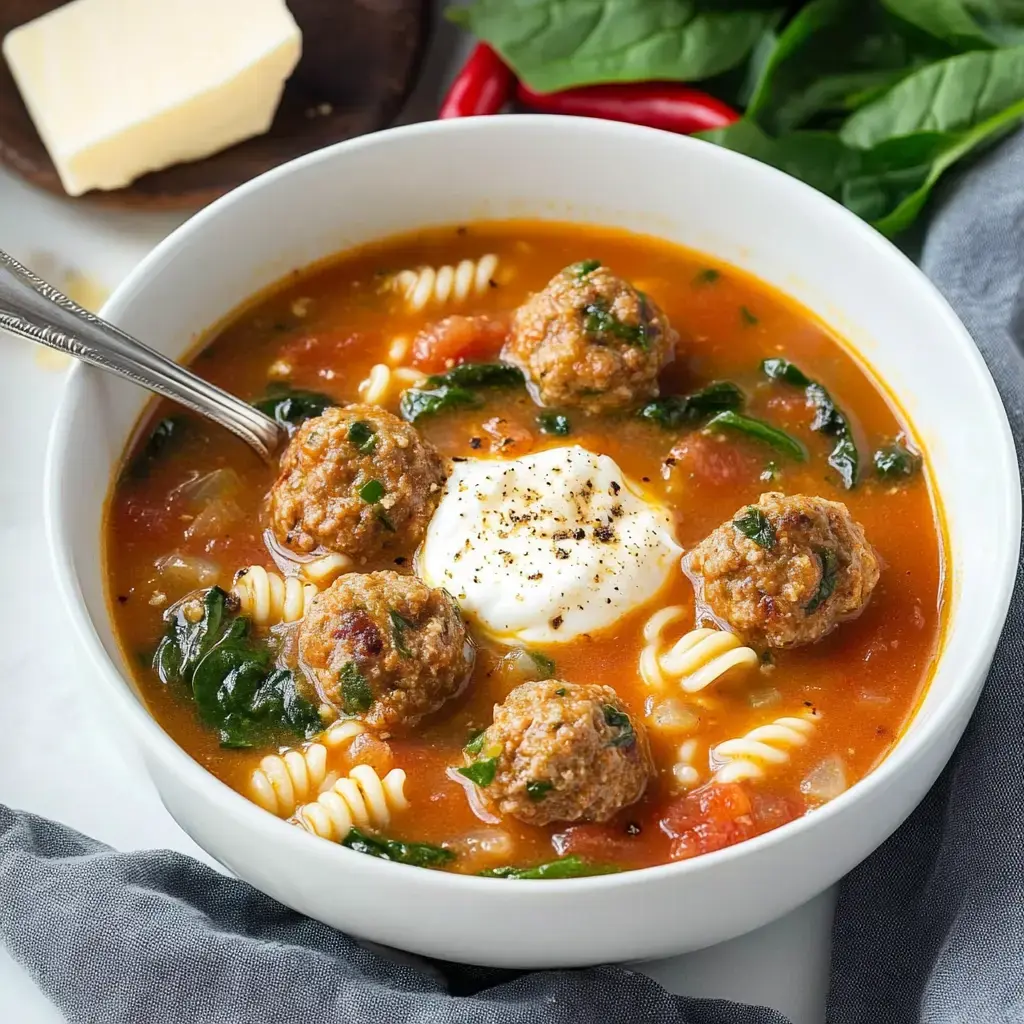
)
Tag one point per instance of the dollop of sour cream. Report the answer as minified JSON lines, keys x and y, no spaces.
{"x":547,"y":547}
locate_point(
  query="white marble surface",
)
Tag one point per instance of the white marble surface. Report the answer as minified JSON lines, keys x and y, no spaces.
{"x":84,"y":781}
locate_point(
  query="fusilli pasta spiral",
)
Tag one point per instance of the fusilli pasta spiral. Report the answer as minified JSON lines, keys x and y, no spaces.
{"x":360,"y":800}
{"x":269,"y":598}
{"x":376,"y":389}
{"x":684,"y":771}
{"x":767,"y":745}
{"x":445,"y":284}
{"x":694,"y":661}
{"x":283,"y":781}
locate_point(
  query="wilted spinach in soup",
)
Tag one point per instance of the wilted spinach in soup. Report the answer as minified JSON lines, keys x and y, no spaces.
{"x":587,"y":553}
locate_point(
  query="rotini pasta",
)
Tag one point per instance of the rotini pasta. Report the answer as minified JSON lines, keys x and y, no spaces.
{"x":445,"y":284}
{"x":767,"y":745}
{"x":684,"y":771}
{"x":360,"y":800}
{"x":269,"y":598}
{"x":694,"y":661}
{"x":284,"y":781}
{"x":377,"y":387}
{"x":323,"y":571}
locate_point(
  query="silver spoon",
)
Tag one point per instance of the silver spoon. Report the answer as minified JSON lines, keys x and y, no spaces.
{"x":33,"y":309}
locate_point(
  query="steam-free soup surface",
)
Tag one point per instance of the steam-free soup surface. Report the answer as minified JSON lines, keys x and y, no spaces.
{"x":189,"y":510}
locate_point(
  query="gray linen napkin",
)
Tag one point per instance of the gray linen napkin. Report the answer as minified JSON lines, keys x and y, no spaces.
{"x":930,"y":929}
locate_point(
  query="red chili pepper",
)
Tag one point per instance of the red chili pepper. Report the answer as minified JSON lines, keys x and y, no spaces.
{"x":483,"y":86}
{"x":666,"y":105}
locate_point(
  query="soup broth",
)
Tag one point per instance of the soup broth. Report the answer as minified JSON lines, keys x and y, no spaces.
{"x":189,"y":510}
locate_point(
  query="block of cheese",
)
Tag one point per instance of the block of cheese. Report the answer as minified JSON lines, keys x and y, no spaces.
{"x":117,"y":88}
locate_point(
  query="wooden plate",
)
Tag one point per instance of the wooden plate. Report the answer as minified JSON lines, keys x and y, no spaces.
{"x":359,"y":62}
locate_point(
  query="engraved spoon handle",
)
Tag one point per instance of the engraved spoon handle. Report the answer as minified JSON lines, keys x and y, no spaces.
{"x":33,"y":309}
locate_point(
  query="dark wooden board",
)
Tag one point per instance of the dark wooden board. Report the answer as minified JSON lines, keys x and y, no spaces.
{"x":359,"y":57}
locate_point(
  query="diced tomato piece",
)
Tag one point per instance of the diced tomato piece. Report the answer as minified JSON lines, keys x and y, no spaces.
{"x":716,"y":802}
{"x":712,"y":459}
{"x":598,"y":843}
{"x":709,"y":836}
{"x":459,"y":339}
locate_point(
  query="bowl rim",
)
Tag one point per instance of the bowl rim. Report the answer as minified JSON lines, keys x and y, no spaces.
{"x":912,"y":746}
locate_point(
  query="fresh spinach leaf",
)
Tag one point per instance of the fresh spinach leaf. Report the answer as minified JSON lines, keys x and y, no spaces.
{"x":896,"y":461}
{"x":356,"y":694}
{"x":756,"y":526}
{"x":784,"y":370}
{"x":421,"y":855}
{"x":399,"y":624}
{"x":565,"y":867}
{"x":481,"y":772}
{"x":585,"y":268}
{"x":759,"y":431}
{"x":456,"y":388}
{"x":952,"y":95}
{"x":292,"y":406}
{"x":558,"y":44}
{"x":827,"y":583}
{"x":833,"y":56}
{"x":675,"y":411}
{"x":948,"y":20}
{"x":554,"y":423}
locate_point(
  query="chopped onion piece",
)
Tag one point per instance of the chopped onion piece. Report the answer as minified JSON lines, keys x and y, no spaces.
{"x":766,"y":697}
{"x":826,"y":780}
{"x":476,"y":804}
{"x":215,"y":519}
{"x":200,"y":490}
{"x":672,"y":715}
{"x":186,"y":572}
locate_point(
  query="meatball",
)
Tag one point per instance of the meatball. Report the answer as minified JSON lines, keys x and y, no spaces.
{"x":565,"y":752}
{"x":785,"y":571}
{"x":589,"y":339}
{"x":356,"y":480}
{"x":385,"y":647}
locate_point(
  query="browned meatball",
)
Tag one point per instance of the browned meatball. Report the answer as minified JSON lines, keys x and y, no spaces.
{"x":357,"y":480}
{"x":590,"y":339}
{"x":565,"y":752}
{"x":385,"y":647}
{"x":785,"y":571}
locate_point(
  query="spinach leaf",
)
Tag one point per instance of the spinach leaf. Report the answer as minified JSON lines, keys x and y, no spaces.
{"x":558,"y":44}
{"x":896,"y":461}
{"x":619,"y":720}
{"x":827,"y":583}
{"x":292,"y":406}
{"x":356,"y":694}
{"x":457,"y":387}
{"x":363,"y":435}
{"x":537,"y":789}
{"x":675,"y":411}
{"x":756,"y":526}
{"x":399,"y":624}
{"x":421,"y":855}
{"x":476,"y":743}
{"x":554,"y":423}
{"x":833,"y":56}
{"x":949,"y":20}
{"x":371,"y":492}
{"x":584,"y":267}
{"x":165,"y":435}
{"x":565,"y":867}
{"x":950,"y":95}
{"x":481,"y":772}
{"x":828,"y":417}
{"x":545,"y":666}
{"x":601,"y":323}
{"x":235,"y":687}
{"x":760,"y":431}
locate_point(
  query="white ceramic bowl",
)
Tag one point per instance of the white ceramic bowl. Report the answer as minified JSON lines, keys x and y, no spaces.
{"x":590,"y":172}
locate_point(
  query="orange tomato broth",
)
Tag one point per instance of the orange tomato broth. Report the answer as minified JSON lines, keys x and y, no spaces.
{"x":332,"y":322}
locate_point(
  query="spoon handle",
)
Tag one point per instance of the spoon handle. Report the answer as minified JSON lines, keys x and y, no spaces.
{"x":33,"y":309}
